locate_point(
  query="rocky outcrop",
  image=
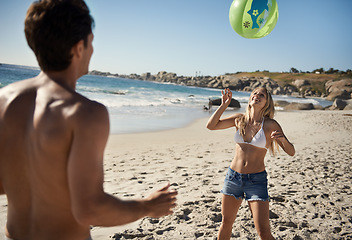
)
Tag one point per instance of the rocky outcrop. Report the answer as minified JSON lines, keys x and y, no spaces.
{"x":303,"y":87}
{"x":224,"y":81}
{"x":250,"y":83}
{"x":300,"y":87}
{"x":339,"y":89}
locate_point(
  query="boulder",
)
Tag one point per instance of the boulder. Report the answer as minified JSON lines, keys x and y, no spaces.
{"x":318,"y":107}
{"x":234,"y":83}
{"x":213,"y":83}
{"x":148,"y":76}
{"x":278,"y":91}
{"x":289,"y":89}
{"x":339,"y":104}
{"x":281,"y":103}
{"x":300,"y":83}
{"x":164,"y":76}
{"x":267,"y":83}
{"x":299,"y":106}
{"x":247,"y":89}
{"x":339,"y":89}
{"x":338,"y":93}
{"x":217,"y":102}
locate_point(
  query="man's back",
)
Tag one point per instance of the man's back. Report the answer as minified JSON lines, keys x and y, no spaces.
{"x":37,"y":118}
{"x":52,"y":139}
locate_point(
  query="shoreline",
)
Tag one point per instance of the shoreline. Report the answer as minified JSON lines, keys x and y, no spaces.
{"x":164,"y":124}
{"x":310,"y":192}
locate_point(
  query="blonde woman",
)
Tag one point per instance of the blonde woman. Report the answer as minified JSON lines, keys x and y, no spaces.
{"x":256,"y":132}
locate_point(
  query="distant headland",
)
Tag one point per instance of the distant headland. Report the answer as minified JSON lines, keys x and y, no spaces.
{"x":332,"y":84}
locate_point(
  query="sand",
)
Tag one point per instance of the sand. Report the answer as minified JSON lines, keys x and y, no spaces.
{"x":310,"y":193}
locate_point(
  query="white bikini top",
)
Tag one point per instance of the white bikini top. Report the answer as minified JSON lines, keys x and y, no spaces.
{"x":259,"y":140}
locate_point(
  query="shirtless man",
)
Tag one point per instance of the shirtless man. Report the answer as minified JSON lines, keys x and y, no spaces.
{"x":52,"y":139}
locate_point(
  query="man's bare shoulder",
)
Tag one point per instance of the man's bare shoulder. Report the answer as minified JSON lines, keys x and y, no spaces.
{"x":14,"y":91}
{"x":16,"y":87}
{"x":72,"y":106}
{"x":89,"y":109}
{"x":88,"y":113}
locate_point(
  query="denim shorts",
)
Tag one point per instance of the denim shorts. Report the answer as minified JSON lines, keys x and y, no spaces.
{"x":251,"y":187}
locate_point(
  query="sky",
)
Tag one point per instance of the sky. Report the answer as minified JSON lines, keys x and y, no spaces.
{"x":194,"y":37}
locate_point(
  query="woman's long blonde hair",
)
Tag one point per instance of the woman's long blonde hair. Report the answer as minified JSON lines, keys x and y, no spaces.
{"x":268,"y":111}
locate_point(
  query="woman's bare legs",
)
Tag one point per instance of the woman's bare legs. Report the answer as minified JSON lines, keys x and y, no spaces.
{"x":260,"y":212}
{"x":229,"y":209}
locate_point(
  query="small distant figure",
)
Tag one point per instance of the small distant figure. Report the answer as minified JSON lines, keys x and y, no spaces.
{"x":210,"y":104}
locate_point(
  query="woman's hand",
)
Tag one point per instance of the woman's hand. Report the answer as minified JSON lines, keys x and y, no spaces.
{"x":214,"y":122}
{"x":278,"y":135}
{"x":226,"y":96}
{"x":281,"y":139}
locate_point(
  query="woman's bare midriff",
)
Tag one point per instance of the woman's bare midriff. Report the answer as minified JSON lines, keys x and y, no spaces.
{"x":248,"y":159}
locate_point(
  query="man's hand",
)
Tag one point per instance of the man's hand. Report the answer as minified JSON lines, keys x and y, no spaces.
{"x":161,"y":202}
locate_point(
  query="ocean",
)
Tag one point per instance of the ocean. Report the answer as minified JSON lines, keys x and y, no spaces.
{"x":143,"y":106}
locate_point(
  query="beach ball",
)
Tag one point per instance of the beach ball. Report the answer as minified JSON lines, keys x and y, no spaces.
{"x":253,"y":18}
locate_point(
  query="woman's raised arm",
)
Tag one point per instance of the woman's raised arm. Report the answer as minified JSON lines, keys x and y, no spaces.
{"x":214,"y":122}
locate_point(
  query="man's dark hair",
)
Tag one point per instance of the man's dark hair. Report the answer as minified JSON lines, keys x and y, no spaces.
{"x":53,"y":27}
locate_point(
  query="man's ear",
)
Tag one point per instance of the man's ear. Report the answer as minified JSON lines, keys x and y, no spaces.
{"x":77,"y":49}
